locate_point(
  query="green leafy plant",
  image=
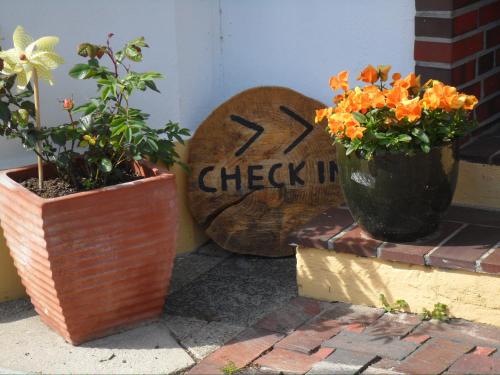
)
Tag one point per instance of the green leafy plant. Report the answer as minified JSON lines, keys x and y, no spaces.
{"x":399,"y":306}
{"x":230,"y":368}
{"x":103,"y":136}
{"x":439,"y":312}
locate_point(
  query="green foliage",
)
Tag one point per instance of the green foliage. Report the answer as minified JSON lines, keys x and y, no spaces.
{"x":399,"y":306}
{"x":434,"y":128}
{"x":230,"y":368}
{"x":96,"y":149}
{"x":439,"y":312}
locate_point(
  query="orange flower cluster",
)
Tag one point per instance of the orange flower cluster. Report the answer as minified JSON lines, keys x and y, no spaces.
{"x":406,"y":99}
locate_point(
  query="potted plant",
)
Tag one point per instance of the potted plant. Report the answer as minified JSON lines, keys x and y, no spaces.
{"x":93,"y":232}
{"x":395,"y":150}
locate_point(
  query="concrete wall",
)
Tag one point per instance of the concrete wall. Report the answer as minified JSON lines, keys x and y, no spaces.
{"x":210,"y":50}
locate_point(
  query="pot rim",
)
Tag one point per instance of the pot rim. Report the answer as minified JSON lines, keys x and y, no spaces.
{"x":159,"y":173}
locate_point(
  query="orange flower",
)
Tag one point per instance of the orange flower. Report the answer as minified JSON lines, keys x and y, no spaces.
{"x":354,"y":132}
{"x":395,"y":95}
{"x":322,"y":113}
{"x":383,"y":72}
{"x":340,"y":81}
{"x":368,"y":75}
{"x":409,"y":108}
{"x":470,"y":102}
{"x":395,"y":77}
{"x":409,"y":82}
{"x":375,"y":97}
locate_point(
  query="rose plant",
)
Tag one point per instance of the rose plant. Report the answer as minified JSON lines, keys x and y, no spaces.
{"x":401,"y":117}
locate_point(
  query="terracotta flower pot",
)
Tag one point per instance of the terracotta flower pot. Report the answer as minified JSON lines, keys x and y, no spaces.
{"x":95,"y":261}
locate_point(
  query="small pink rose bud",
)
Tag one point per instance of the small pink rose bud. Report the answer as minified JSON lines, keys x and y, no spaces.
{"x":110,"y":35}
{"x":68,"y":104}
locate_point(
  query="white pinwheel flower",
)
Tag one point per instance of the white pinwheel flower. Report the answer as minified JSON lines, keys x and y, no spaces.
{"x":28,"y":55}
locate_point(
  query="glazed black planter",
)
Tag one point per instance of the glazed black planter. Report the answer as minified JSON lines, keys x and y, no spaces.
{"x":398,"y":198}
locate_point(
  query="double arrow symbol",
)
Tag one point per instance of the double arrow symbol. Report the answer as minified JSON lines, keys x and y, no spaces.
{"x":259,"y":130}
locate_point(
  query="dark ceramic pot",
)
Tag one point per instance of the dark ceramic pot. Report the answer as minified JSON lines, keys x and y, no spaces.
{"x":401,"y":198}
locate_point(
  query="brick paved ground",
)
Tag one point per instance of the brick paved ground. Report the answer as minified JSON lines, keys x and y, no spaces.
{"x":309,"y":337}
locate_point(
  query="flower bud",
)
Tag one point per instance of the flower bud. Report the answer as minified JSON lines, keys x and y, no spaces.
{"x":68,"y":104}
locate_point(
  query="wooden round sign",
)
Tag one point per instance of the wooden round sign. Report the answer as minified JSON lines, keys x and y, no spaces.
{"x":259,"y":169}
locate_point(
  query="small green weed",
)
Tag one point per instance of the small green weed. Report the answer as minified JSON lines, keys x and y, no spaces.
{"x":399,"y":306}
{"x":439,"y":312}
{"x":230,"y":368}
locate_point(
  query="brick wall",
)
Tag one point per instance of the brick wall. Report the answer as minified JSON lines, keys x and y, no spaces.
{"x":458,"y":42}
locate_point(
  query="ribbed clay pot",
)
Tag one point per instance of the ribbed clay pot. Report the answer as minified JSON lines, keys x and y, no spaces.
{"x":394,"y":197}
{"x":96,"y":261}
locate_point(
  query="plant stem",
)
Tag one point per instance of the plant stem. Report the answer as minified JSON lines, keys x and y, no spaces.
{"x":38,"y":126}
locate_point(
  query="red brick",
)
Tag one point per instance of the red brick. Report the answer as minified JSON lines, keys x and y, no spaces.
{"x":434,"y":27}
{"x":465,"y":248}
{"x":417,"y":339}
{"x":386,"y":347}
{"x":487,"y":109}
{"x":485,"y":63}
{"x":241,"y":350}
{"x":355,"y":327}
{"x":480,"y":149}
{"x":448,"y":52}
{"x":474,"y":89}
{"x":475,"y":364}
{"x":489,"y":13}
{"x":287,"y":361}
{"x":491,"y":263}
{"x":464,"y":23}
{"x":442,"y":4}
{"x":414,"y":252}
{"x":433,"y":357}
{"x":484,"y":350}
{"x":319,"y":230}
{"x":290,"y":316}
{"x":461,"y":330}
{"x":491,"y":84}
{"x":493,"y":37}
{"x":347,"y":314}
{"x":463,"y":73}
{"x":497,"y":57}
{"x":310,"y":336}
{"x":357,"y":242}
{"x":394,"y":325}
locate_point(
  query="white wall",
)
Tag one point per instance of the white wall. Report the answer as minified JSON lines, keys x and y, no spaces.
{"x":212,"y":49}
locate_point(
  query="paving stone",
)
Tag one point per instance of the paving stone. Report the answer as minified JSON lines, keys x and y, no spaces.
{"x":417,"y":339}
{"x":464,"y":249}
{"x":461,"y":330}
{"x":414,"y":252}
{"x":343,"y":362}
{"x":434,"y":357}
{"x":386,"y":347}
{"x":316,"y":233}
{"x":357,"y":242}
{"x":370,"y":370}
{"x":239,"y":290}
{"x":386,"y":364}
{"x":182,"y":326}
{"x":355,"y":327}
{"x":188,"y":267}
{"x":491,"y":263}
{"x":347,"y":314}
{"x":311,"y":335}
{"x":484,"y":350}
{"x":289,"y":316}
{"x":241,"y":350}
{"x":210,"y":338}
{"x":397,"y":325}
{"x":475,"y":364}
{"x":288,"y":361}
{"x":147,"y":349}
{"x":16,"y":309}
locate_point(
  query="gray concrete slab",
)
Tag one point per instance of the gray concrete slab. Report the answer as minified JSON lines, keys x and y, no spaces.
{"x":239,"y":290}
{"x":29,"y":346}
